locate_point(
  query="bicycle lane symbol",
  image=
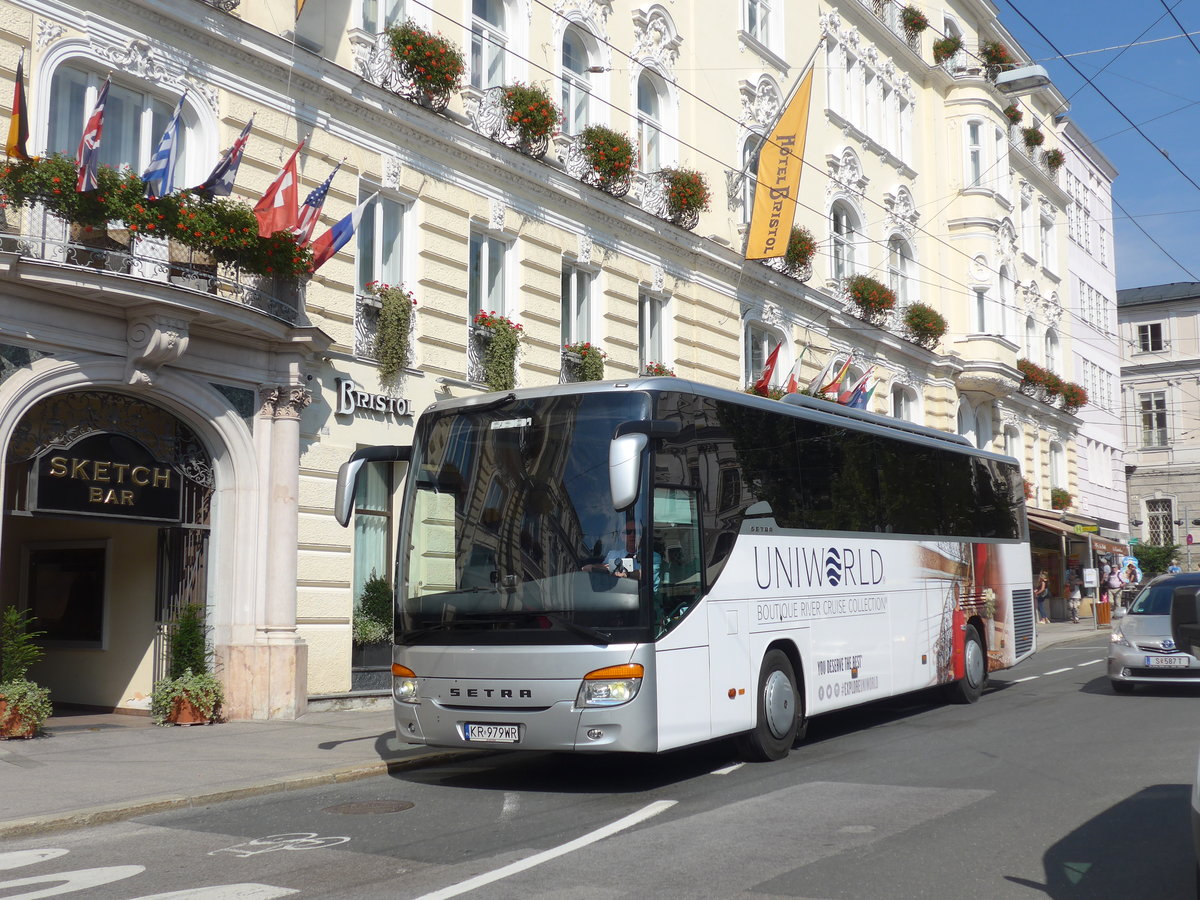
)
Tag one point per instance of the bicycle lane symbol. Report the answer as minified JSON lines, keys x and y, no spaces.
{"x":300,"y":840}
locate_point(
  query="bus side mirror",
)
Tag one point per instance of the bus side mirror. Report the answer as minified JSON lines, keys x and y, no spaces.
{"x":625,"y":468}
{"x":347,"y":479}
{"x":1185,"y":619}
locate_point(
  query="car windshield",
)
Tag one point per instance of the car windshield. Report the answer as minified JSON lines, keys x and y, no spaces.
{"x":512,"y":535}
{"x":1154,"y":600}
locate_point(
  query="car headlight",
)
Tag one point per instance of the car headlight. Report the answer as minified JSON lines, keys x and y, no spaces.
{"x":610,"y":686}
{"x":404,"y":684}
{"x":1118,"y":638}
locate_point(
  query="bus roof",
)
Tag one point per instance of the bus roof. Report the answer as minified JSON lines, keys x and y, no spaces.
{"x":799,"y":405}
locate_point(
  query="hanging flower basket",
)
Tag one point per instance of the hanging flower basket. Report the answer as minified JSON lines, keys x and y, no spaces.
{"x":1060,"y":498}
{"x":393,"y":332}
{"x":924,"y":325}
{"x":944,"y":48}
{"x":1032,"y":136}
{"x":1053,"y":159}
{"x":609,"y":157}
{"x":1013,"y":113}
{"x":801,"y":247}
{"x":588,"y":360}
{"x":432,"y":63}
{"x":687,"y":196}
{"x":656,"y":368}
{"x":873,"y":299}
{"x":995,"y":56}
{"x":500,"y":353}
{"x":1073,"y":397}
{"x":530,"y":113}
{"x":913,"y":21}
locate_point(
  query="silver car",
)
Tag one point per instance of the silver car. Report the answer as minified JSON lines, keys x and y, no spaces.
{"x":1142,"y":651}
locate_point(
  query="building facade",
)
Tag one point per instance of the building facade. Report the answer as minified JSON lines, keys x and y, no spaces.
{"x":243,"y":393}
{"x":1160,"y":329}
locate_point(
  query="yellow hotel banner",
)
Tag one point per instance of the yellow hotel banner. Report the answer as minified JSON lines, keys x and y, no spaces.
{"x":779,"y":163}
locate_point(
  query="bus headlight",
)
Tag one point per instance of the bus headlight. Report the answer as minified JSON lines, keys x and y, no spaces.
{"x":610,"y":686}
{"x":404,"y":684}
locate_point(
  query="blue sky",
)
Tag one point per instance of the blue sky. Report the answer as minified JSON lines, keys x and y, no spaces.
{"x":1156,"y":83}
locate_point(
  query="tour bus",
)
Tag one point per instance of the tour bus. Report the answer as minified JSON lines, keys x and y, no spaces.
{"x":645,"y":565}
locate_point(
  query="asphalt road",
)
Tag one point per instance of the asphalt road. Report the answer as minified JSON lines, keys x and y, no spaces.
{"x":1050,"y":786}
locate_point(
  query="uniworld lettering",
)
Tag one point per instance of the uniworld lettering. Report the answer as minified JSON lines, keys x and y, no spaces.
{"x":778,"y":568}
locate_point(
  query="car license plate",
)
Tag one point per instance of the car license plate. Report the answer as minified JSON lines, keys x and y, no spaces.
{"x":1166,"y":662}
{"x":503,"y":734}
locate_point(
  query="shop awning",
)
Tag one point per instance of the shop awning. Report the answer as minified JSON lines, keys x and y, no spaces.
{"x":1052,"y":523}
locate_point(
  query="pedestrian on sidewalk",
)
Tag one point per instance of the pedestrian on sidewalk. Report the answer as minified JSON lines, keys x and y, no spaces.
{"x":1074,"y":594}
{"x":1041,"y":594}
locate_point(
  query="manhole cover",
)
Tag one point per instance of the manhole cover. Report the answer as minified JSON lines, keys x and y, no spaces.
{"x":369,"y":807}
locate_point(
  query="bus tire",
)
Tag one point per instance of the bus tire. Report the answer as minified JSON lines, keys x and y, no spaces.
{"x":779,"y":711}
{"x":970,"y":687}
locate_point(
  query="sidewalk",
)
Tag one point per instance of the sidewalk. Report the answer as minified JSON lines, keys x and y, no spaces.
{"x":90,"y":769}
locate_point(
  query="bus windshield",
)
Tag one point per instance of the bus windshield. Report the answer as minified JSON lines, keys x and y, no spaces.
{"x":511,"y":534}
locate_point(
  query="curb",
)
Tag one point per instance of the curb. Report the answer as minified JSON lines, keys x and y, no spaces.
{"x":118,"y":812}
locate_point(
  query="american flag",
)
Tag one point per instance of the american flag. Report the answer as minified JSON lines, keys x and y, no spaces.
{"x":310,"y":212}
{"x":88,"y":156}
{"x":160,"y":175}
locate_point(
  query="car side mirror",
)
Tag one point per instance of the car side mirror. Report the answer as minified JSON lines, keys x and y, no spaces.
{"x":1185,"y":618}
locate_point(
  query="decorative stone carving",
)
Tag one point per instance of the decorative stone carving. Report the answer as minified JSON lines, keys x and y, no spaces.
{"x":154,"y":341}
{"x":902,"y":213}
{"x":655,"y":39}
{"x":771,"y":314}
{"x":155,"y":64}
{"x":283,"y":401}
{"x":585,"y":250}
{"x":658,"y":279}
{"x":496,"y":211}
{"x":845,"y":173}
{"x":48,"y":32}
{"x":761,"y":102}
{"x":393,"y":168}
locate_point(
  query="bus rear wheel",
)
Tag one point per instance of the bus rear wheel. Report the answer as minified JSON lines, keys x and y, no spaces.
{"x":779,"y":711}
{"x":970,"y":687}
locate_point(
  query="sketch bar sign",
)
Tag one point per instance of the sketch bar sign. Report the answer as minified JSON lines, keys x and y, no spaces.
{"x":107,"y":475}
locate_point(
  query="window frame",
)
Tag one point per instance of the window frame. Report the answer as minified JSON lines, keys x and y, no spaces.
{"x":577,"y":313}
{"x":487,"y":34}
{"x":1152,"y":414}
{"x":576,"y":88}
{"x":1151,"y":337}
{"x":483,"y":248}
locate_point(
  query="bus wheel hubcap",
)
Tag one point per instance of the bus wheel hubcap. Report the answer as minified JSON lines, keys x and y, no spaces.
{"x":974,"y":662}
{"x":779,"y":702}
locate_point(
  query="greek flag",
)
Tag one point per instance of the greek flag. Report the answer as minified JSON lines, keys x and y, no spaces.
{"x":160,"y":176}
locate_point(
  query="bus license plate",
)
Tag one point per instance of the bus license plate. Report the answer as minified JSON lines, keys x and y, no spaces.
{"x":1166,"y":662}
{"x":502,"y":734}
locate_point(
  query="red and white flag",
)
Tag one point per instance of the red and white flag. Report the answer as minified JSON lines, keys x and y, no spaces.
{"x":87,"y":158}
{"x":276,"y":211}
{"x":760,"y":386}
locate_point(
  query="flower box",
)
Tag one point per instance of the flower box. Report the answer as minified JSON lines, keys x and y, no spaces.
{"x":607,"y":157}
{"x":873,"y":299}
{"x":585,"y":359}
{"x":944,"y":48}
{"x":430,"y":62}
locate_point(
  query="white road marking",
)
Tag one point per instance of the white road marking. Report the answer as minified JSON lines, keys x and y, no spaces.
{"x":512,"y":803}
{"x":1027,"y":678}
{"x":224,"y":892}
{"x":537,"y":859}
{"x":14,"y":859}
{"x":67,"y":882}
{"x":1057,"y":671}
{"x":301,"y":840}
{"x":727,"y":770}
{"x":1088,"y":663}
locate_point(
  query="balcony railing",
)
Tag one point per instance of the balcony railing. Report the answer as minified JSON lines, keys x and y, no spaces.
{"x":490,"y":119}
{"x":888,"y":13}
{"x":223,"y":5}
{"x":376,"y":64}
{"x":35,"y":233}
{"x":801,"y":273}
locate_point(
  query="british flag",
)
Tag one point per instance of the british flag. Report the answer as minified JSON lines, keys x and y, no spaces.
{"x":88,"y":156}
{"x":310,"y":212}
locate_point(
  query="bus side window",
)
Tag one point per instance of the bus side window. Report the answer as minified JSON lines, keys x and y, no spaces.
{"x":676,"y":554}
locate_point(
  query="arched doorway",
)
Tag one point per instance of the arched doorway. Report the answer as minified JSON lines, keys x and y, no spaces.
{"x":107,"y":515}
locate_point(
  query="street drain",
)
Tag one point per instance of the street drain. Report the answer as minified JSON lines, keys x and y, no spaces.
{"x":369,"y":807}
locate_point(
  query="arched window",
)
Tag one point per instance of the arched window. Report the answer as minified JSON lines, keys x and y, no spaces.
{"x":1012,"y":444}
{"x":1007,"y":302}
{"x":488,"y":38}
{"x":900,"y":268}
{"x":974,"y":154}
{"x":843,"y":230}
{"x":750,"y":172}
{"x":1053,"y":362}
{"x":378,"y":15}
{"x":966,"y":419}
{"x":1058,"y":466}
{"x":651,"y":100}
{"x":576,"y":86}
{"x":1031,"y":340}
{"x":135,"y":118}
{"x":983,"y":425}
{"x":904,"y":403}
{"x":760,"y":340}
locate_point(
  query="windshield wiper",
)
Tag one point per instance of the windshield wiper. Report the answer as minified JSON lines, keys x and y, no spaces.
{"x":451,"y":625}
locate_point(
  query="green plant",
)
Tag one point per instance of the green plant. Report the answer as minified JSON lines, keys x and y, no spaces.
{"x":223,"y":228}
{"x":26,"y":707}
{"x":188,"y":642}
{"x":201,"y":689}
{"x":530,"y":111}
{"x":994,"y":54}
{"x":500,"y":353}
{"x":946,"y":47}
{"x":1053,"y":159}
{"x":428,"y":60}
{"x":687,"y":192}
{"x":657,"y":368}
{"x":913,"y":21}
{"x":393,"y":347}
{"x":924,"y":325}
{"x":590,"y":365}
{"x":1032,"y":136}
{"x":872,"y":298}
{"x":1013,"y":113}
{"x":772,"y":393}
{"x":18,"y":644}
{"x":800,"y":248}
{"x":374,"y":613}
{"x":1073,"y":396}
{"x":1153,"y":559}
{"x":1060,"y":498}
{"x":608,"y":153}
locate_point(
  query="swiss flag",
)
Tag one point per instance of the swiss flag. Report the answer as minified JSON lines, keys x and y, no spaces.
{"x":276,"y":211}
{"x":760,"y":386}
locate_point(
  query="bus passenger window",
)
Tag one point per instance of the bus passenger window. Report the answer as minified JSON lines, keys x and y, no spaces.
{"x":676,"y":555}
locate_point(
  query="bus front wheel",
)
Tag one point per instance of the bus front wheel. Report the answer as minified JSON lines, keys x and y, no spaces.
{"x":970,"y":687}
{"x":779,"y":711}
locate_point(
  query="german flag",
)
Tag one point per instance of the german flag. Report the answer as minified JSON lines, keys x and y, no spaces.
{"x":18,"y":126}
